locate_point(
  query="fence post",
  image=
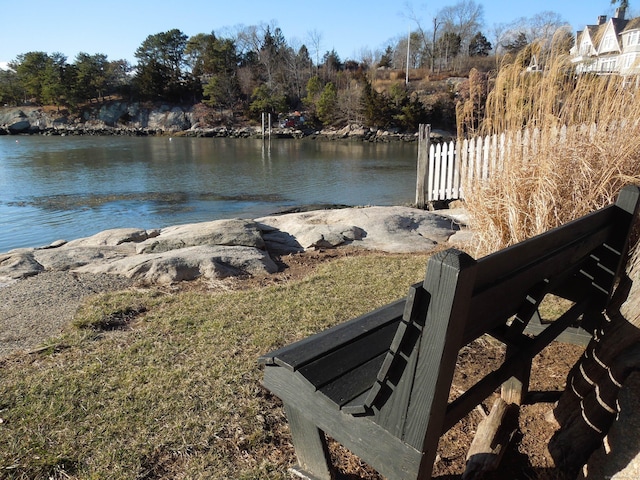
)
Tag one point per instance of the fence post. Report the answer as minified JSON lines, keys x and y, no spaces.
{"x":424,"y":136}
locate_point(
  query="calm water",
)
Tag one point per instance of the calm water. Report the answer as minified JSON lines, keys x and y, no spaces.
{"x":69,"y":187}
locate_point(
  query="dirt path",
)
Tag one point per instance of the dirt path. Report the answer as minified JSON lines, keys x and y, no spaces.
{"x":36,"y":308}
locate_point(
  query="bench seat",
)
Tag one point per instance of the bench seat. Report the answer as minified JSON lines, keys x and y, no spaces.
{"x":349,"y":363}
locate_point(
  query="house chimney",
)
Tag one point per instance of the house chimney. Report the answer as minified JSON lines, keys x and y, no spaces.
{"x":602,"y":19}
{"x":620,"y":11}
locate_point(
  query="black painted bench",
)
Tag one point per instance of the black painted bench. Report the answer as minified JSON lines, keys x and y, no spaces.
{"x":380,"y":384}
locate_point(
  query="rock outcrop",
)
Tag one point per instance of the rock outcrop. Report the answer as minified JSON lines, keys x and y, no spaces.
{"x":111,"y":118}
{"x":124,"y":118}
{"x":225,"y":248}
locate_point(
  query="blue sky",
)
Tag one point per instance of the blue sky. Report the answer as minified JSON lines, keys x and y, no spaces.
{"x":118,"y":27}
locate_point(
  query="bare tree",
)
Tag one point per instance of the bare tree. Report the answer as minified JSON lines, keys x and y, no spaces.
{"x":543,"y":26}
{"x":249,"y":38}
{"x":427,"y":39}
{"x":540,"y":28}
{"x":315,"y":40}
{"x":497,"y":32}
{"x":464,"y":19}
{"x":368,"y":57}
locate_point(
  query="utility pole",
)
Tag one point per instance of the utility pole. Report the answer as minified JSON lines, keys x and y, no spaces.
{"x":406,"y":81}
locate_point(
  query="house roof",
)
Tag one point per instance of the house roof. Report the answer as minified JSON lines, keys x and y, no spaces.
{"x":619,"y":24}
{"x":596,"y":32}
{"x":632,"y":24}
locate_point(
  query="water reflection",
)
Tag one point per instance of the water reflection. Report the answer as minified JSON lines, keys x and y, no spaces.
{"x":67,"y":187}
{"x":72,"y":202}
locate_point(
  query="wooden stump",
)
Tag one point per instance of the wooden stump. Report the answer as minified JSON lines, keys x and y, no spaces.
{"x":491,"y":440}
{"x":589,"y":404}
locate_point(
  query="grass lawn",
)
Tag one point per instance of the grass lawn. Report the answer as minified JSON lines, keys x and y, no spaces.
{"x":165,"y":384}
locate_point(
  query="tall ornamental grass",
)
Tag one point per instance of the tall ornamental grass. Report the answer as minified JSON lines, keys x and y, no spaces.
{"x":578,"y":145}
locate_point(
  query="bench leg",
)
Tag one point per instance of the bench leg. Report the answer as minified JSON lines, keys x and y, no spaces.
{"x":516,"y":388}
{"x":311,"y":448}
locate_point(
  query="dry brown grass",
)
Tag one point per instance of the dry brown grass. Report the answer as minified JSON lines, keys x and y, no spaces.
{"x":554,"y":176}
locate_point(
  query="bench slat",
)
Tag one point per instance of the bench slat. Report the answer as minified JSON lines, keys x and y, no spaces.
{"x":347,"y":387}
{"x":357,"y":406}
{"x":300,"y":353}
{"x":504,"y":263}
{"x":349,"y":356}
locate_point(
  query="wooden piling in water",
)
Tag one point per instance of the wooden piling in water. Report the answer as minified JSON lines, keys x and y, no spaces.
{"x":266,"y":127}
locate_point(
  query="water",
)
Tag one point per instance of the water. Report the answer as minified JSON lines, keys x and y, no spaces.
{"x":70,"y":187}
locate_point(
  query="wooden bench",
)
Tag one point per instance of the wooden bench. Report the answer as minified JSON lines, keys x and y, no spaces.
{"x":380,"y":384}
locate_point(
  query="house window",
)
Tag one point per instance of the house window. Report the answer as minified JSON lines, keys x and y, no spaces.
{"x":628,"y":61}
{"x":608,"y":65}
{"x":608,"y":43}
{"x":633,"y":38}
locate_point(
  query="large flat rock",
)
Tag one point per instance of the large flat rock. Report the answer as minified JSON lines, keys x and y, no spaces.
{"x":233,"y":247}
{"x":189,"y":263}
{"x":390,"y":229}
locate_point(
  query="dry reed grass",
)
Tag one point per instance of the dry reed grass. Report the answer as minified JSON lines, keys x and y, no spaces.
{"x":556,"y":175}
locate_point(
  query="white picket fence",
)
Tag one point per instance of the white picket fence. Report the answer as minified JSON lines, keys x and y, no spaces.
{"x":452,"y":164}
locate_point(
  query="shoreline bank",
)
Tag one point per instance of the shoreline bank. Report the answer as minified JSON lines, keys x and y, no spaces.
{"x":121,"y":118}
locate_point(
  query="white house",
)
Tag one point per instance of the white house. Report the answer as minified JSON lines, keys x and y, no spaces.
{"x":611,"y":46}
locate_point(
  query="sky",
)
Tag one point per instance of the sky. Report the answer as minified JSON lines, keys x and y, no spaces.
{"x":118,"y":27}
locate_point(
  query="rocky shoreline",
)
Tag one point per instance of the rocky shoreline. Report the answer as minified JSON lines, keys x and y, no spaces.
{"x":135,"y":119}
{"x":235,"y":247}
{"x":41,"y":287}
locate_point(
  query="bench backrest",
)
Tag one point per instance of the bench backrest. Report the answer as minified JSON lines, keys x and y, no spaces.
{"x":462,"y":299}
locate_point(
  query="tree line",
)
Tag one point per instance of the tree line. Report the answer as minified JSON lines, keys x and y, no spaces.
{"x":257,"y":70}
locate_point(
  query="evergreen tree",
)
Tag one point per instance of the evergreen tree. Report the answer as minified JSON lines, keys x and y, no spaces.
{"x":412,"y":114}
{"x":160,"y":70}
{"x":517,"y":44}
{"x":30,"y":69}
{"x":215,"y":61}
{"x":91,"y":76}
{"x":327,"y":104}
{"x":314,"y":89}
{"x":267,"y":100}
{"x":272,"y":55}
{"x":331,"y":64}
{"x":221,"y":91}
{"x":375,"y":109}
{"x":479,"y":46}
{"x":386,"y":60}
{"x":10,"y":92}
